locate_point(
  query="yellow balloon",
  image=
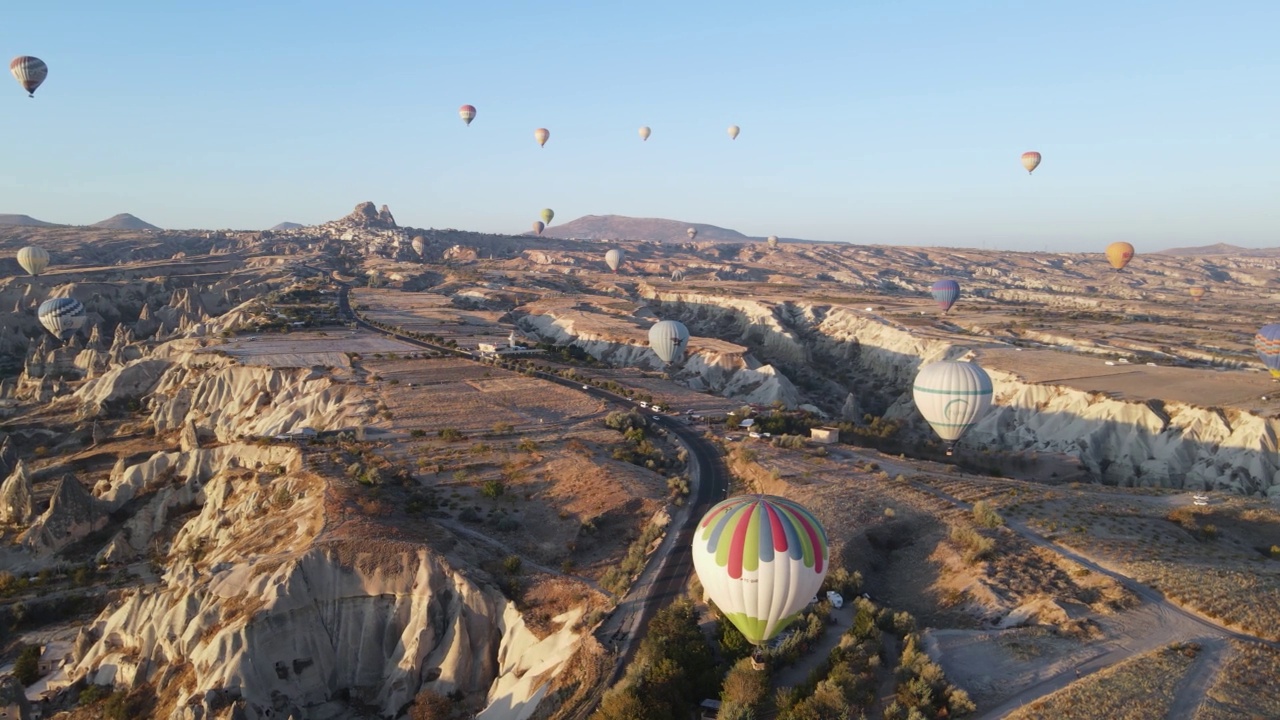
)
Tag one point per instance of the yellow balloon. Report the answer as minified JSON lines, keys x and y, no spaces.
{"x":1119,"y":254}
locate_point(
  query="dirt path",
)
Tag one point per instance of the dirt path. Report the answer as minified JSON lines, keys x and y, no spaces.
{"x":886,"y":693}
{"x":1194,"y":686}
{"x":795,"y":675}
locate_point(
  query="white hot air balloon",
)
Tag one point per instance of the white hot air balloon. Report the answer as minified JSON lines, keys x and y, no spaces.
{"x":613,"y":259}
{"x":952,"y":396}
{"x":761,"y":558}
{"x":419,"y":245}
{"x":62,"y":317}
{"x":669,"y":339}
{"x":733,"y":132}
{"x":33,"y":259}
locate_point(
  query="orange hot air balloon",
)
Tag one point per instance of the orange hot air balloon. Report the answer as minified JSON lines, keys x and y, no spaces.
{"x":1197,"y":292}
{"x":541,"y":135}
{"x":1119,"y":254}
{"x":467,"y":113}
{"x":1030,"y":161}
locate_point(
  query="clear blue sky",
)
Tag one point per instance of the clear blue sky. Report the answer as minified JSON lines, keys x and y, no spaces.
{"x":877,"y":121}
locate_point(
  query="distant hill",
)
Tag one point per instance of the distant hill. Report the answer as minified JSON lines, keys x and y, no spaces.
{"x":1222,"y":249}
{"x":24,"y":220}
{"x":287,"y":226}
{"x":619,"y":227}
{"x":124,"y":221}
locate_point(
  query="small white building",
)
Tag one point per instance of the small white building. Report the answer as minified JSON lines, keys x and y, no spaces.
{"x":824,"y":435}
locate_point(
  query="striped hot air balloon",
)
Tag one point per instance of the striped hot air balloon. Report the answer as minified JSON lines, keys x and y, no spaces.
{"x":30,"y":72}
{"x":733,"y":132}
{"x":467,"y":113}
{"x":1030,"y":161}
{"x":669,"y":339}
{"x":1196,"y":291}
{"x":33,"y":259}
{"x":1267,"y":343}
{"x":760,"y":558}
{"x":613,"y":259}
{"x":62,"y":317}
{"x":945,"y":293}
{"x":952,"y":397}
{"x":1119,"y":254}
{"x":644,"y":133}
{"x":542,"y":135}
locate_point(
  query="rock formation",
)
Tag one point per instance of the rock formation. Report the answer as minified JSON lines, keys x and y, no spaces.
{"x":72,"y":514}
{"x":16,"y":504}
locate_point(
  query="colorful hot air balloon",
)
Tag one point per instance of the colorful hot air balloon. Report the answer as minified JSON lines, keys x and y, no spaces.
{"x":613,"y":259}
{"x":30,"y":72}
{"x":1119,"y":254}
{"x":772,"y":240}
{"x":541,"y":135}
{"x":644,"y":133}
{"x":952,"y":396}
{"x":538,"y":227}
{"x":668,"y":338}
{"x":1267,"y":343}
{"x":760,"y":558}
{"x":33,"y":259}
{"x":945,"y":293}
{"x":733,"y":132}
{"x":692,"y":233}
{"x":62,"y":317}
{"x":419,"y":245}
{"x":547,"y":214}
{"x":1197,"y":292}
{"x":1030,"y":161}
{"x":467,"y":113}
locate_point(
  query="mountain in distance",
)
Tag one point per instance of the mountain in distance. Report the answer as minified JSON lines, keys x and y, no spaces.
{"x":1221,"y":249}
{"x":287,"y":226}
{"x":24,"y":221}
{"x":620,"y":227}
{"x":124,"y":221}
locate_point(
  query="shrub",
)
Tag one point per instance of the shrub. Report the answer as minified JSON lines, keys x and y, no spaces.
{"x":450,"y":434}
{"x":986,"y":516}
{"x":27,"y":667}
{"x":493,"y":489}
{"x":417,"y":432}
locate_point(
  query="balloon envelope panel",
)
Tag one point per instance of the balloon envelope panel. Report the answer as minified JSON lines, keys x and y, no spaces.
{"x":669,"y":339}
{"x":952,"y":396}
{"x":945,"y":293}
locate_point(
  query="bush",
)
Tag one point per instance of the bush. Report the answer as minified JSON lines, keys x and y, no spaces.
{"x":417,"y":432}
{"x":493,"y":489}
{"x":974,"y":546}
{"x":986,"y":516}
{"x":450,"y":434}
{"x":27,"y":667}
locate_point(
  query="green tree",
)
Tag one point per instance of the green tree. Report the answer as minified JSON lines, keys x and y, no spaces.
{"x":27,"y":667}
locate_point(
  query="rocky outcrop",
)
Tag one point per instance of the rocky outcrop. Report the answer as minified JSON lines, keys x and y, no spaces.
{"x":16,"y":502}
{"x":72,"y":514}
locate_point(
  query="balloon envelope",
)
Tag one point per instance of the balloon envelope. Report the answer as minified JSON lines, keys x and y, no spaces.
{"x":541,"y":135}
{"x":945,"y":293}
{"x":547,"y":214}
{"x":1030,"y":161}
{"x":952,"y":396}
{"x":1119,"y":254}
{"x":30,"y":72}
{"x":644,"y":133}
{"x":538,"y":227}
{"x":613,"y":259}
{"x":1267,"y":343}
{"x":1196,"y":291}
{"x":33,"y":259}
{"x":761,"y":558}
{"x":692,"y":233}
{"x":467,"y":113}
{"x":419,"y":245}
{"x":62,"y":316}
{"x":733,"y":132}
{"x":669,"y":338}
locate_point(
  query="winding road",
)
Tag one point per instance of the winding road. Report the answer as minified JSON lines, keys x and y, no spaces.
{"x":667,"y":573}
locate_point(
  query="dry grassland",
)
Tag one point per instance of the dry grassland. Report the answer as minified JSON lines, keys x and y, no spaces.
{"x":1247,"y":686}
{"x":1137,"y":689}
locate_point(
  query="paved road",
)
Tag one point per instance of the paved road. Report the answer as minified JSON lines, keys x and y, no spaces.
{"x":669,"y":569}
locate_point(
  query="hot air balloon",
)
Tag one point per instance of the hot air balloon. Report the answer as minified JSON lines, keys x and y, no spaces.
{"x":30,"y":72}
{"x":1267,"y":343}
{"x":644,"y":133}
{"x":613,"y":259}
{"x":541,"y":135}
{"x":945,"y":293}
{"x":62,"y":317}
{"x":772,"y":240}
{"x":760,"y":558}
{"x":952,"y":396}
{"x":1119,"y":254}
{"x":467,"y":113}
{"x":547,"y":214}
{"x":538,"y":227}
{"x":1030,"y":161}
{"x":33,"y":259}
{"x":692,"y":233}
{"x":419,"y":245}
{"x":668,"y":338}
{"x":1197,"y":292}
{"x":733,"y":132}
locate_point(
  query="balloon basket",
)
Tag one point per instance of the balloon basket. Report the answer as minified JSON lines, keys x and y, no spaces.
{"x":758,"y":660}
